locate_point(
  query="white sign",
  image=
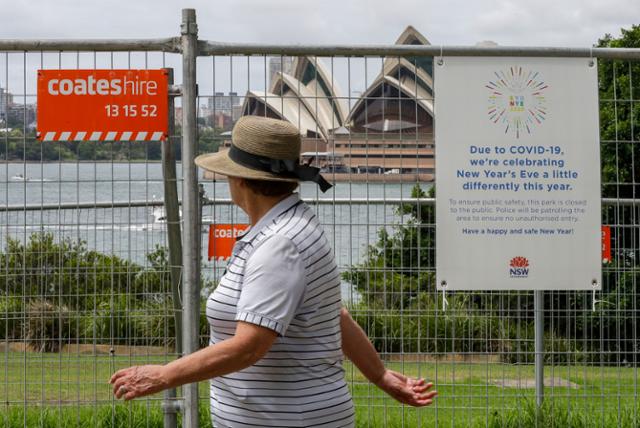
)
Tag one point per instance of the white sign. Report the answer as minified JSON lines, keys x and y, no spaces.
{"x":517,"y":174}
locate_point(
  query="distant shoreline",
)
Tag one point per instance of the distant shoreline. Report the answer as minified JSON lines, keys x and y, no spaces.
{"x":80,"y":161}
{"x":354,"y":177}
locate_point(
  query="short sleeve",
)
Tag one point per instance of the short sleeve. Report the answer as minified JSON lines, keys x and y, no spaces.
{"x":273,"y":285}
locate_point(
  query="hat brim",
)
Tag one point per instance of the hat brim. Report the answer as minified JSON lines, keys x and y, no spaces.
{"x":221,"y":163}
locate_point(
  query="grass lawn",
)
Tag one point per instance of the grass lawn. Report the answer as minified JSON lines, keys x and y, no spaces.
{"x":74,"y":388}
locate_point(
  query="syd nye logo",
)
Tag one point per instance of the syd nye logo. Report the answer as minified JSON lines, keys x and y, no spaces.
{"x":517,"y":100}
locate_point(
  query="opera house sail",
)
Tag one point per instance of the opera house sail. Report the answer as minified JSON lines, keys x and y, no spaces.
{"x":386,"y":135}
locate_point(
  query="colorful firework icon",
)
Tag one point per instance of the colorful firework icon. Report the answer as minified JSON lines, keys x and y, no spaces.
{"x":517,"y":100}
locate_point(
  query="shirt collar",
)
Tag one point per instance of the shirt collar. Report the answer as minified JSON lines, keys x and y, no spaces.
{"x":271,"y":215}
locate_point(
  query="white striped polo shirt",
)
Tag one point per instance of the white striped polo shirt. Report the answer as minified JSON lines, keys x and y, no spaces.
{"x":282,"y":275}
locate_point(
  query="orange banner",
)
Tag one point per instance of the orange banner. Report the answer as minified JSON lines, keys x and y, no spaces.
{"x":222,"y":238}
{"x":102,"y":105}
{"x":606,"y":244}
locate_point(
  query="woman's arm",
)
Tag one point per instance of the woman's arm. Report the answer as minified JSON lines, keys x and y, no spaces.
{"x":357,"y":347}
{"x":249,"y":344}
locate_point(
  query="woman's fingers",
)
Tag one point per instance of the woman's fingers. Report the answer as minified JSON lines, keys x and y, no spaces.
{"x":124,"y":389}
{"x":129,"y":396}
{"x":408,"y":390}
{"x":417,"y":382}
{"x":137,"y":381}
{"x":428,"y":394}
{"x":426,"y":399}
{"x":421,"y":387}
{"x":119,"y":392}
{"x":422,"y":396}
{"x":117,"y":385}
{"x":120,"y":379}
{"x":118,"y":374}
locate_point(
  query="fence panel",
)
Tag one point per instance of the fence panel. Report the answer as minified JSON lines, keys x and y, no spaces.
{"x":367,"y":121}
{"x":84,"y":271}
{"x":85,"y":279}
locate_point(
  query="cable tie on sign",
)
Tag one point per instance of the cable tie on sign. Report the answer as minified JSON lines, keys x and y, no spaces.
{"x":594,"y":284}
{"x":445,"y":302}
{"x":441,"y":59}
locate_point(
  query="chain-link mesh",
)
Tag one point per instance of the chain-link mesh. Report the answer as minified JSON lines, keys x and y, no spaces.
{"x":85,"y":282}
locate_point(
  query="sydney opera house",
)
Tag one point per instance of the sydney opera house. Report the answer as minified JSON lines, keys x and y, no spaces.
{"x":386,"y":135}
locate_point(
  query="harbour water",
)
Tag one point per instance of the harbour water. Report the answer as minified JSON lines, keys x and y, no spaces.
{"x":132,"y":231}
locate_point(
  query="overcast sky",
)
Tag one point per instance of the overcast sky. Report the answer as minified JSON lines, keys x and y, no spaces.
{"x":508,"y":22}
{"x":576,"y":23}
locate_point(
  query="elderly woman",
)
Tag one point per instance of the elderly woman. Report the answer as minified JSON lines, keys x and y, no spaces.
{"x":278,"y":329}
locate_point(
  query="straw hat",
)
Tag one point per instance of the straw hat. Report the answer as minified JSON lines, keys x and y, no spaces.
{"x":262,"y":149}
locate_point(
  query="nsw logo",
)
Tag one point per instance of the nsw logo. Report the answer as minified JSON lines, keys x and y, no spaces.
{"x":519,"y":267}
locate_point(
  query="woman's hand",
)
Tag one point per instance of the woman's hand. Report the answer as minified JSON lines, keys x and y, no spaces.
{"x":413,"y":392}
{"x":249,"y":344}
{"x":138,"y":381}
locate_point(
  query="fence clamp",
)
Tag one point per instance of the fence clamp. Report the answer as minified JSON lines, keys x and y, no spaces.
{"x":188,"y":28}
{"x":594,"y":284}
{"x":172,"y":406}
{"x":445,"y":302}
{"x":175,"y":90}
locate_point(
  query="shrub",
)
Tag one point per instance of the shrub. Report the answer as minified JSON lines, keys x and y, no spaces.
{"x":11,"y":313}
{"x":47,"y":326}
{"x":65,"y":269}
{"x":155,"y":325}
{"x":128,"y":321}
{"x":552,"y":414}
{"x":98,"y":297}
{"x":398,"y":274}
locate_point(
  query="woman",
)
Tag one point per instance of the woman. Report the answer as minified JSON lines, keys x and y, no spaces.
{"x":278,"y":329}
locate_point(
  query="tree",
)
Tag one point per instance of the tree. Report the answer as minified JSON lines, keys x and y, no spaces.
{"x":398,"y":270}
{"x":399,"y":266}
{"x":209,"y":140}
{"x":619,"y":87}
{"x":619,"y":84}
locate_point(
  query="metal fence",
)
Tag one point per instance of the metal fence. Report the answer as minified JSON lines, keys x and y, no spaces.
{"x":71,"y":314}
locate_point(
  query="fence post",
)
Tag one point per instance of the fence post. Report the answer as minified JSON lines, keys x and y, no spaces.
{"x":172,"y":215}
{"x":190,"y":208}
{"x":538,"y":309}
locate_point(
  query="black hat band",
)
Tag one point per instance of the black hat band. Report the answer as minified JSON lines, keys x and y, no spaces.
{"x":285,"y":168}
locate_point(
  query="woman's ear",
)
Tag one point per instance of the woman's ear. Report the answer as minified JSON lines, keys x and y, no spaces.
{"x":242,"y":182}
